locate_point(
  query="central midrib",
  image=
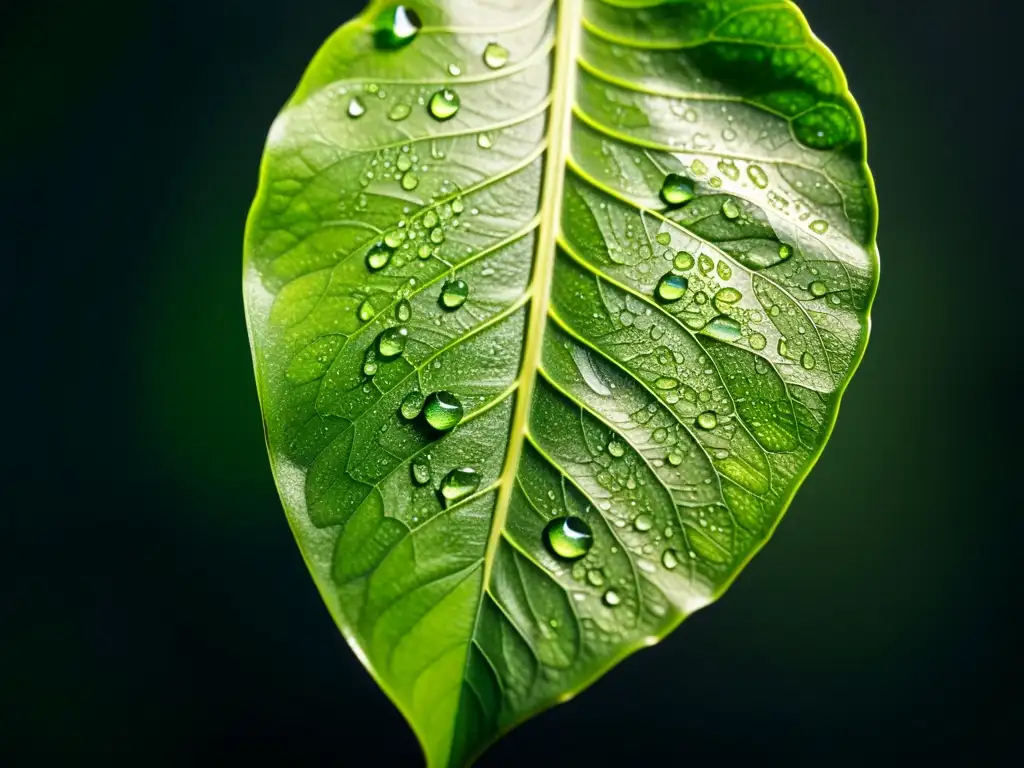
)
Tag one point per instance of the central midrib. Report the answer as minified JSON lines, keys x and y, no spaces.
{"x":558,"y":137}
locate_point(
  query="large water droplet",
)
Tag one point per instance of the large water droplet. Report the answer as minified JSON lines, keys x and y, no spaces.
{"x":410,"y":181}
{"x":727,"y":296}
{"x":818,"y":288}
{"x":403,"y":312}
{"x":444,"y":104}
{"x":391,"y":342}
{"x":459,"y":483}
{"x":412,"y":405}
{"x":495,"y":56}
{"x":356,"y":108}
{"x":454,"y":294}
{"x":443,"y":411}
{"x":683,"y":261}
{"x":707,"y":420}
{"x":643,"y":523}
{"x":758,"y":176}
{"x":378,"y":257}
{"x":723,"y":328}
{"x":671,"y":287}
{"x":730,"y":209}
{"x":677,"y":190}
{"x":758,"y":341}
{"x":807,"y":361}
{"x":420,"y":471}
{"x":397,"y":27}
{"x":366,"y":311}
{"x":611,"y":598}
{"x":616,"y":449}
{"x":569,"y":538}
{"x":669,"y":560}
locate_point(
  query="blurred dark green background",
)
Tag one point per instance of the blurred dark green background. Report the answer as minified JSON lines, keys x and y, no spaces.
{"x":156,"y":610}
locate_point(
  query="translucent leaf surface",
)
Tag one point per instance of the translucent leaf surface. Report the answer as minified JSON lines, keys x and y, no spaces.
{"x":551,"y":308}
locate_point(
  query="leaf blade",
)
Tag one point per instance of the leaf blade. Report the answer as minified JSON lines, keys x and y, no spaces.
{"x":460,"y":613}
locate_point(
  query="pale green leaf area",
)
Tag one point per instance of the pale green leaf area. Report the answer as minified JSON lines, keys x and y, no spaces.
{"x":551,"y":307}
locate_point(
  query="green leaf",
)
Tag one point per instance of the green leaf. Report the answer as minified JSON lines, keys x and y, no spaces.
{"x":551,"y":308}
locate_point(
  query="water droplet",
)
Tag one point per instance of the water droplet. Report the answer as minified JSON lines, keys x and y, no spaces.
{"x":616,"y":449}
{"x":643,"y":523}
{"x":569,"y":538}
{"x":425,"y":251}
{"x":723,"y":328}
{"x":437,"y":235}
{"x":391,"y":342}
{"x":611,"y":598}
{"x":399,"y":112}
{"x":430,"y":219}
{"x":454,"y":70}
{"x":705,"y":264}
{"x":366,"y":311}
{"x":818,"y":288}
{"x":730,"y":209}
{"x":454,"y":294}
{"x":444,"y":104}
{"x":460,"y":483}
{"x":677,"y":190}
{"x":394,"y":238}
{"x":356,"y":108}
{"x":758,"y":342}
{"x":397,"y":27}
{"x":412,"y":405}
{"x":820,"y":226}
{"x":669,"y":560}
{"x":410,"y":181}
{"x":728,"y":296}
{"x":758,"y":176}
{"x":785,"y":251}
{"x":807,"y":361}
{"x":683,"y":261}
{"x":724,"y":270}
{"x":595,"y":577}
{"x":783,"y":347}
{"x":671,"y":287}
{"x":443,"y":411}
{"x":666,"y":383}
{"x":420,"y":471}
{"x":495,"y":56}
{"x":403,"y":312}
{"x":675,"y":459}
{"x":458,"y":206}
{"x":707,"y":420}
{"x":728,"y":167}
{"x":698,"y":167}
{"x":663,"y":238}
{"x":484,"y":141}
{"x":369,"y":363}
{"x":378,"y":257}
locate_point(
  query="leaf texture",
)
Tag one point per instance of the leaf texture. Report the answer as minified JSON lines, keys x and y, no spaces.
{"x":663,"y":224}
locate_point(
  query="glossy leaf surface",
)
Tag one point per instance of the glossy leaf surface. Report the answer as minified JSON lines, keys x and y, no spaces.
{"x":551,"y":308}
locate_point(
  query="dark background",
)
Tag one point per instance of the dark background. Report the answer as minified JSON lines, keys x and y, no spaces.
{"x":155,"y":608}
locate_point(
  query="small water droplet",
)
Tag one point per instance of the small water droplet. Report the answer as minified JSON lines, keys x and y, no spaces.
{"x":611,"y":598}
{"x":818,"y":288}
{"x":443,"y":411}
{"x":663,"y":238}
{"x":399,"y":112}
{"x":730,"y":209}
{"x":807,"y":361}
{"x":366,"y":311}
{"x":459,"y":483}
{"x":410,"y":181}
{"x":369,"y":363}
{"x":669,"y":560}
{"x":676,"y":190}
{"x":495,"y":56}
{"x":666,"y":383}
{"x":728,"y":296}
{"x":758,"y":342}
{"x":785,"y":251}
{"x":412,"y":405}
{"x":820,"y":226}
{"x":783,"y":347}
{"x":728,"y":167}
{"x":484,"y":141}
{"x":444,"y":104}
{"x":437,"y":235}
{"x":454,"y":294}
{"x":356,"y":108}
{"x":378,"y":257}
{"x":454,"y":70}
{"x":391,"y":342}
{"x":758,"y":176}
{"x":569,"y":538}
{"x":707,"y":420}
{"x":420,"y":471}
{"x":616,"y":449}
{"x":403,"y":312}
{"x":675,"y":459}
{"x":595,"y":577}
{"x":425,"y":251}
{"x":671,"y":287}
{"x":397,"y":27}
{"x":683,"y":261}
